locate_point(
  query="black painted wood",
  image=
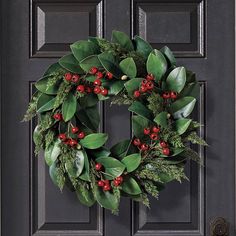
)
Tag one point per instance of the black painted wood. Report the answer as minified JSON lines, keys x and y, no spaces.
{"x":35,"y":33}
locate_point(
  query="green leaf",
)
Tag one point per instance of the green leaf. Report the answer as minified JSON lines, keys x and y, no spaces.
{"x":100,"y":152}
{"x":165,"y":178}
{"x":161,"y":119}
{"x":191,"y":89}
{"x":119,"y":149}
{"x":122,"y":39}
{"x":133,"y":85}
{"x":113,"y":167}
{"x":45,"y":102}
{"x":93,"y":141}
{"x":182,"y":125}
{"x":90,"y":61}
{"x":140,"y":109}
{"x":128,"y":67}
{"x":82,"y":49}
{"x":132,"y":161}
{"x":130,"y":186}
{"x":69,"y":107}
{"x":52,"y":152}
{"x":114,"y":87}
{"x":183,"y":107}
{"x":176,"y":79}
{"x":71,"y":64}
{"x":47,"y":106}
{"x":85,"y":195}
{"x":156,"y":64}
{"x":42,"y":86}
{"x":36,"y":134}
{"x":142,"y":46}
{"x":89,"y":100}
{"x":106,"y":199}
{"x":109,"y":63}
{"x":85,"y":172}
{"x":52,"y":69}
{"x":138,"y":124}
{"x":169,"y":55}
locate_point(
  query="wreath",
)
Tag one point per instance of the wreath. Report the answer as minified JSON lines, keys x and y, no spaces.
{"x":161,"y":97}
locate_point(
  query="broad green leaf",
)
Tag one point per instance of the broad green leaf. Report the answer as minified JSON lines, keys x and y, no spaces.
{"x":52,"y":69}
{"x":100,"y":152}
{"x":57,"y":176}
{"x":82,"y":49}
{"x":36,"y":134}
{"x":85,"y":172}
{"x":75,"y":167}
{"x":119,"y":149}
{"x":165,"y":178}
{"x":47,"y":106}
{"x":114,"y":87}
{"x":138,"y":124}
{"x":169,"y":55}
{"x":181,"y":125}
{"x":161,"y":119}
{"x":191,"y":89}
{"x":52,"y":152}
{"x":89,"y":117}
{"x":176,"y":79}
{"x":140,"y":109}
{"x":122,"y":39}
{"x":71,"y":64}
{"x":108,"y":62}
{"x":42,"y":86}
{"x":133,"y":85}
{"x":89,"y":100}
{"x":142,"y":46}
{"x":183,"y":107}
{"x":106,"y":199}
{"x":130,"y":186}
{"x":93,"y":141}
{"x":113,"y":167}
{"x":90,"y":78}
{"x":85,"y":195}
{"x":45,"y":102}
{"x":132,"y":161}
{"x":156,"y":64}
{"x":69,"y":107}
{"x":89,"y":62}
{"x":128,"y":67}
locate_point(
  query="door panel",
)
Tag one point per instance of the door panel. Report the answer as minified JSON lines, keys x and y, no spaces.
{"x":34,"y":34}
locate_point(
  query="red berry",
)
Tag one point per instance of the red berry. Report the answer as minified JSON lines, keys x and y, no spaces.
{"x":62,"y":137}
{"x":93,"y":70}
{"x":109,"y":75}
{"x":106,"y":187}
{"x":67,"y":141}
{"x":116,"y":182}
{"x":98,"y":166}
{"x":166,"y":95}
{"x":137,"y":94}
{"x":143,"y":89}
{"x":104,"y":92}
{"x":149,"y":85}
{"x":144,"y":82}
{"x":150,"y":77}
{"x":80,"y":88}
{"x":163,"y":144}
{"x":74,"y":130}
{"x":120,"y":178}
{"x":155,"y":129}
{"x":146,"y":131}
{"x":154,"y":136}
{"x":68,"y":76}
{"x":75,"y":78}
{"x":57,"y":116}
{"x":173,"y":95}
{"x":88,"y":89}
{"x":144,"y":147}
{"x":97,"y":90}
{"x":101,"y":183}
{"x":73,"y":142}
{"x":166,"y":151}
{"x":97,"y":82}
{"x":99,"y":75}
{"x":81,"y":135}
{"x":106,"y":181}
{"x":137,"y":142}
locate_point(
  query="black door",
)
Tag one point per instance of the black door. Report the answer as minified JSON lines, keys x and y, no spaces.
{"x":34,"y":33}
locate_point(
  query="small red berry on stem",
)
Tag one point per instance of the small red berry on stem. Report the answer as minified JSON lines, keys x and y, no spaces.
{"x":81,"y":135}
{"x":68,"y":76}
{"x":88,"y":89}
{"x":146,"y":131}
{"x":80,"y":88}
{"x":74,"y":130}
{"x":97,"y":82}
{"x":144,"y":82}
{"x":57,"y":116}
{"x":137,"y":142}
{"x":155,"y":129}
{"x":75,"y":78}
{"x":93,"y":70}
{"x":150,"y":85}
{"x":163,"y":144}
{"x":73,"y":142}
{"x":166,"y":95}
{"x":99,"y":75}
{"x":104,"y":92}
{"x":143,"y":89}
{"x":109,"y":75}
{"x":120,"y":178}
{"x":98,"y":166}
{"x":173,"y":95}
{"x":166,"y":151}
{"x":106,"y":187}
{"x":137,"y":94}
{"x":116,"y":182}
{"x":62,"y":136}
{"x":144,"y":147}
{"x":101,"y":183}
{"x":150,"y":77}
{"x":154,"y":136}
{"x":97,"y":90}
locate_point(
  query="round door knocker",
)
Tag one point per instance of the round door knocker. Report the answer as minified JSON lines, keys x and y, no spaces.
{"x":219,"y":227}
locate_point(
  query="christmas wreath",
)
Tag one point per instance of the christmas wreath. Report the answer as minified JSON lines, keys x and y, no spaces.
{"x":161,"y":97}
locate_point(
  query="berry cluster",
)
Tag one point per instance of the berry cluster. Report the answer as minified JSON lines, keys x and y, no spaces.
{"x":152,"y":132}
{"x":168,"y":95}
{"x":69,"y":77}
{"x":58,"y":116}
{"x":165,"y":149}
{"x":98,"y":81}
{"x":146,"y":85}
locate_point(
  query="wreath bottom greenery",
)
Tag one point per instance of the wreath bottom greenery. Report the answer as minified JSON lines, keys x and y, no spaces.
{"x":161,"y":97}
